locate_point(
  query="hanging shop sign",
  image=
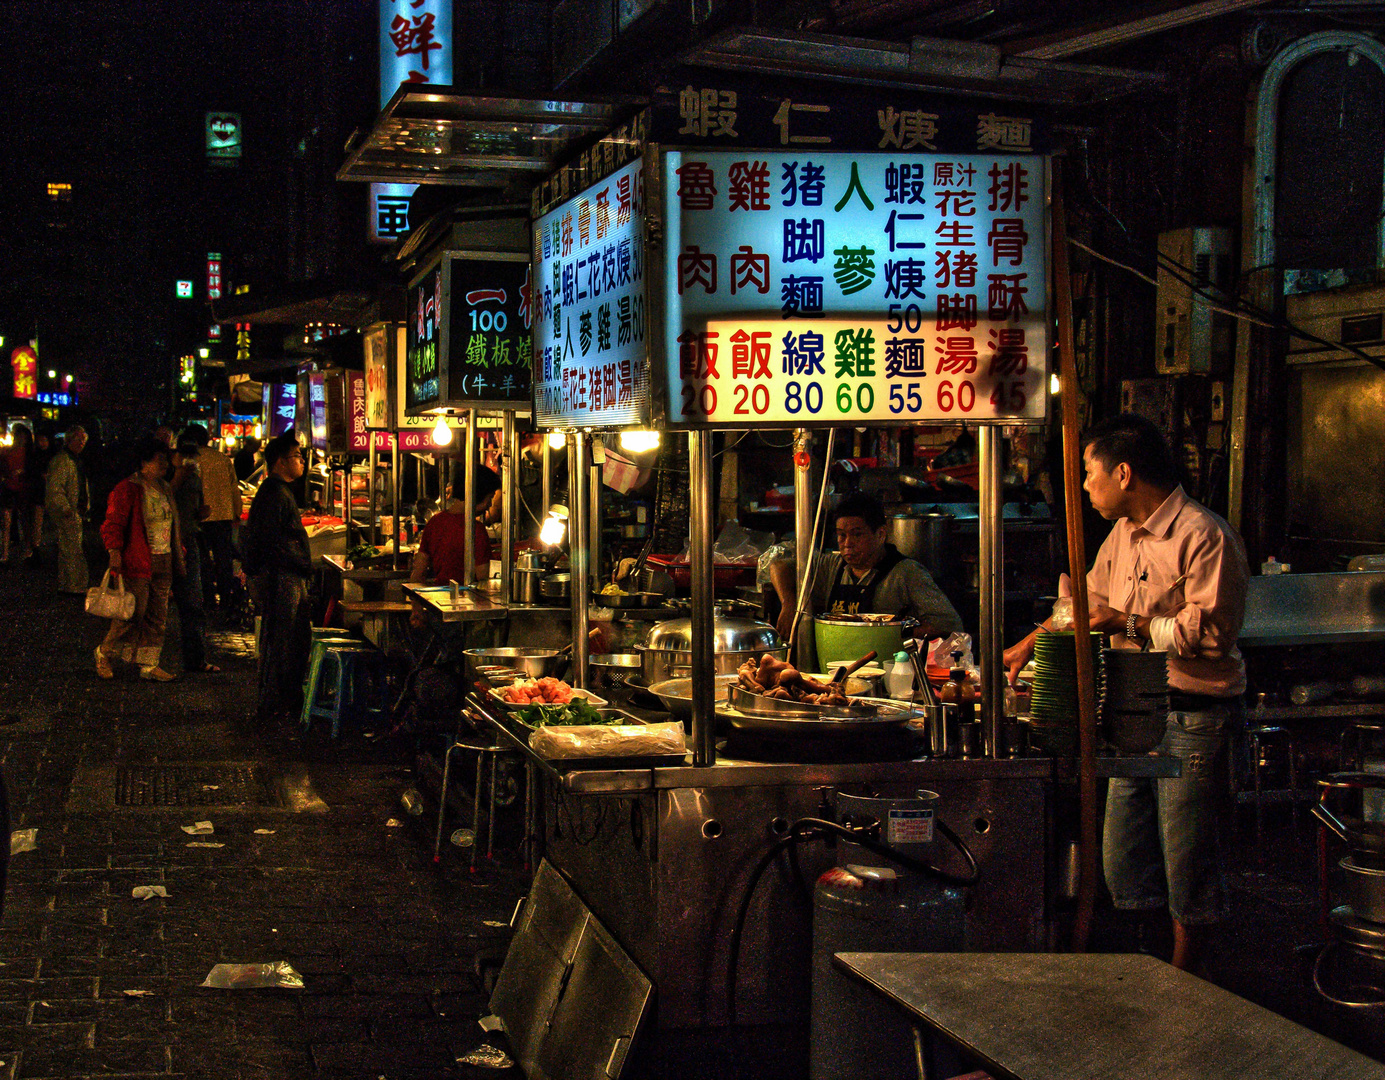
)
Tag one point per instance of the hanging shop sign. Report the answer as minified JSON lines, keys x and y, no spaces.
{"x":811,"y":287}
{"x":591,"y":312}
{"x":24,"y":366}
{"x":415,"y":44}
{"x":389,"y":212}
{"x":281,"y":405}
{"x":224,"y":138}
{"x":722,"y":109}
{"x":469,"y":344}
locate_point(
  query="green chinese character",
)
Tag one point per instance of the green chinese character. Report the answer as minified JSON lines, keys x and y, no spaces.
{"x":854,"y":185}
{"x":476,"y":350}
{"x":854,"y":268}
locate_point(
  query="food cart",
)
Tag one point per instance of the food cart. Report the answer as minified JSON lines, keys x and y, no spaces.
{"x":697,"y":289}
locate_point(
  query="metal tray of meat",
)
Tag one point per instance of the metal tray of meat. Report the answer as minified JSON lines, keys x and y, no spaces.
{"x":748,"y":701}
{"x":887,"y":716}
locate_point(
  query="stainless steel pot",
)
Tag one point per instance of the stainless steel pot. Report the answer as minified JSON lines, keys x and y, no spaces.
{"x":924,"y":537}
{"x":667,"y":651}
{"x":1365,"y":890}
{"x":529,"y":560}
{"x":524,"y":585}
{"x":556,"y":587}
{"x":535,"y":663}
{"x":607,"y":673}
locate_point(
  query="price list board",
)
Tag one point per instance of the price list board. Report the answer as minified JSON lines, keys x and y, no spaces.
{"x":591,"y":321}
{"x":469,"y":343}
{"x":847,"y":288}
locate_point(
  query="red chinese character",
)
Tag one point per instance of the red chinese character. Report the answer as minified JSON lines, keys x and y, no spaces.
{"x":603,"y":212}
{"x":584,"y":221}
{"x":750,"y":355}
{"x":697,"y":189}
{"x":749,"y":185}
{"x":1010,"y":354}
{"x":957,"y":311}
{"x":957,"y":356}
{"x":414,"y":37}
{"x":697,"y":355}
{"x":623,"y":200}
{"x":749,"y":268}
{"x":697,"y":268}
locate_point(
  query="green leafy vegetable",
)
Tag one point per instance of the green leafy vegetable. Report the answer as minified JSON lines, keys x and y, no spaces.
{"x":576,"y":711}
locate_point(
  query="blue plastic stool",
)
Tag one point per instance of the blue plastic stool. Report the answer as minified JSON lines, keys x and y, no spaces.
{"x":347,"y":676}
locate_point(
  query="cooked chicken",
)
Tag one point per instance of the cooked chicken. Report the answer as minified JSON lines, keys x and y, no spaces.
{"x":776,"y":678}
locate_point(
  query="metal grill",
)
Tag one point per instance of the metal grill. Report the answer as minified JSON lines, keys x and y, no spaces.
{"x":195,"y":785}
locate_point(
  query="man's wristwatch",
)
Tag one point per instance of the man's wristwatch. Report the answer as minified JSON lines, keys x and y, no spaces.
{"x":1130,"y":627}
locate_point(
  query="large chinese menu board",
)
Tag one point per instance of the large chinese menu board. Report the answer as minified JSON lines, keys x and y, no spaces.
{"x":831,"y":288}
{"x":469,"y":325}
{"x":591,"y":321}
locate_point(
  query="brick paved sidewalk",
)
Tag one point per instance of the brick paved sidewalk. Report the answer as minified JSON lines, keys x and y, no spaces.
{"x":385,"y":943}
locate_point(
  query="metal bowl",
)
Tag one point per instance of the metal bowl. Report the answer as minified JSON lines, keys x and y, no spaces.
{"x":535,"y":663}
{"x":607,"y":672}
{"x":676,"y":695}
{"x":630,"y":600}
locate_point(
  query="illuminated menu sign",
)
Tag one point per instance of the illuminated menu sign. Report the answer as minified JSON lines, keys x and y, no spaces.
{"x":469,"y":343}
{"x":415,"y":44}
{"x":282,"y":399}
{"x":591,"y":318}
{"x":24,"y":365}
{"x":816,"y":287}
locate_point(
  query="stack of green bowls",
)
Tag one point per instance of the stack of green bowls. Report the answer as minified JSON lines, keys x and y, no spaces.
{"x":1053,"y":700}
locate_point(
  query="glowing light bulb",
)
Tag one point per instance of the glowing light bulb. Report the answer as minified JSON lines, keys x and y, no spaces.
{"x":442,"y":434}
{"x":552,"y":531}
{"x":639,"y":441}
{"x":557,"y":440}
{"x":1053,"y":383}
{"x":259,"y":430}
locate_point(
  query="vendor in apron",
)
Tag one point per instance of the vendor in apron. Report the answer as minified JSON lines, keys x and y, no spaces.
{"x":866,"y":574}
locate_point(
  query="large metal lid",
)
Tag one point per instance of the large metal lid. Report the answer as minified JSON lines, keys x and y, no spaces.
{"x":729,"y":634}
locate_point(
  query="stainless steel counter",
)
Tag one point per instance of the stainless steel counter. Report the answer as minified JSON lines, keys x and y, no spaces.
{"x":471,"y":605}
{"x":1314,"y":609}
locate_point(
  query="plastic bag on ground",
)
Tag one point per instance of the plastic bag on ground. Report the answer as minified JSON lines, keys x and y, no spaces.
{"x":23,"y":840}
{"x":487,"y":1057}
{"x":199,"y":828}
{"x":276,"y":976}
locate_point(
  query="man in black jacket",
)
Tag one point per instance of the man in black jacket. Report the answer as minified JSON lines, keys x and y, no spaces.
{"x":279,"y":561}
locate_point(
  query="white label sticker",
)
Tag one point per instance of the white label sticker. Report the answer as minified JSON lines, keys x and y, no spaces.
{"x":909,"y":827}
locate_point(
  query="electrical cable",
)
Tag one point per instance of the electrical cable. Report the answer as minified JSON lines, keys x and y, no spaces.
{"x":806,"y":829}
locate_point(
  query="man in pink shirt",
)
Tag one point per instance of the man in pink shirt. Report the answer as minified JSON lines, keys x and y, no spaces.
{"x":1171,"y":576}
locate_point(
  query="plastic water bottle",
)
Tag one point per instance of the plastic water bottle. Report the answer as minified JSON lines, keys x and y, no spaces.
{"x":899,"y":680}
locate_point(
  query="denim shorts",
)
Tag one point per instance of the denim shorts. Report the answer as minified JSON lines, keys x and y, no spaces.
{"x":1161,"y":843}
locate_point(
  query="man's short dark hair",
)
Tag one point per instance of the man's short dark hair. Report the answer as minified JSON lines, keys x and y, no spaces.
{"x":195,"y":434}
{"x":863,"y":506}
{"x":278,"y":447}
{"x":485,"y":484}
{"x":1138,"y":443}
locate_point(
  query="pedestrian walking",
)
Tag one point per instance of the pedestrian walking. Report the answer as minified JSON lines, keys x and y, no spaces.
{"x":141,"y":534}
{"x":279,"y":560}
{"x":16,"y":464}
{"x":67,"y":500}
{"x":187,"y":587}
{"x":221,"y":492}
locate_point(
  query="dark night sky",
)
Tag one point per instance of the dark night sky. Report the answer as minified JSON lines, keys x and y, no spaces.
{"x":110,"y":97}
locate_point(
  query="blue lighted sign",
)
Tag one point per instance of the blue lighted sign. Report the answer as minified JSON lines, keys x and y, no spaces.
{"x":45,"y":398}
{"x":389,"y":212}
{"x":415,"y":44}
{"x":590,"y":314}
{"x":837,"y":288}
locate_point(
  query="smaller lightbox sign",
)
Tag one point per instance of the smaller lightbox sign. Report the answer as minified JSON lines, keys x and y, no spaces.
{"x":591,"y":307}
{"x":469,"y":342}
{"x":224,"y":138}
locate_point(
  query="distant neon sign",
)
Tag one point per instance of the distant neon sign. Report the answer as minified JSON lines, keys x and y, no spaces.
{"x":415,"y":44}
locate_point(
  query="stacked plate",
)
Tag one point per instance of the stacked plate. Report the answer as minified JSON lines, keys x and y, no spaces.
{"x":1135,"y":699}
{"x":1053,"y":701}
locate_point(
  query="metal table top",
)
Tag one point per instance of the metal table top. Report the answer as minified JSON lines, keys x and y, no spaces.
{"x":471,"y":605}
{"x":732,"y":772}
{"x":1049,"y":1016}
{"x":359,"y":574}
{"x":1314,"y":609}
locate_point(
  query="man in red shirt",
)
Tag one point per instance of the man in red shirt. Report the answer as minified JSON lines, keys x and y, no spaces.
{"x":441,"y":555}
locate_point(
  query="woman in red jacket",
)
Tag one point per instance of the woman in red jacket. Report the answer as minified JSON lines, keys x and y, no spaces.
{"x":141,"y":534}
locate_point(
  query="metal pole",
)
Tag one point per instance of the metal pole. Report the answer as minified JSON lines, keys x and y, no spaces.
{"x":594,"y":542}
{"x":992,"y":582}
{"x":397,"y":528}
{"x":371,"y":470}
{"x":469,"y":487}
{"x":703,"y":614}
{"x":577,"y":553}
{"x":802,"y":512}
{"x":509,"y":487}
{"x":547,"y":483}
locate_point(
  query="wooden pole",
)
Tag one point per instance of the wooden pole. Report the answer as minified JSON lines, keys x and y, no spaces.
{"x":1077,"y":566}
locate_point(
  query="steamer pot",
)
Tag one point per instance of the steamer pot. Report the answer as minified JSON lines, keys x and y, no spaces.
{"x":667,"y":651}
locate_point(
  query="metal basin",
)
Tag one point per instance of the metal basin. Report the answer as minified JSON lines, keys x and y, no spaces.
{"x":607,"y":672}
{"x":536,"y":663}
{"x":676,"y":695}
{"x":1365,"y":890}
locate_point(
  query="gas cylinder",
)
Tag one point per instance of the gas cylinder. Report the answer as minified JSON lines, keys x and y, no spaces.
{"x":868,"y":904}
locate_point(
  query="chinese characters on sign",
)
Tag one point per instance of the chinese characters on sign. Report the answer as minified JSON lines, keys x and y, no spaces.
{"x":415,"y":44}
{"x":213,"y":275}
{"x":822,"y":287}
{"x":223,"y":138}
{"x":589,"y":307}
{"x":389,"y":212}
{"x":421,"y":386}
{"x":24,"y":364}
{"x":358,"y":436}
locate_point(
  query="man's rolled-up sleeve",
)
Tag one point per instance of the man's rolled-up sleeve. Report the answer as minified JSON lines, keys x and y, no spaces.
{"x":1209,"y":620}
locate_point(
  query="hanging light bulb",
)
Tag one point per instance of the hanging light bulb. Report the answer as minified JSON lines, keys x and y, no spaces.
{"x":637,"y":442}
{"x":554,"y":527}
{"x":442,"y":434}
{"x":557,"y":440}
{"x":1054,"y":384}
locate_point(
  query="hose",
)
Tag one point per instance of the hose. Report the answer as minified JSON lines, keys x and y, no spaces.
{"x":1317,"y":985}
{"x":806,"y":829}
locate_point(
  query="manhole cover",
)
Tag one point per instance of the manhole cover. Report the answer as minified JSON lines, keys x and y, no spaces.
{"x":195,"y":785}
